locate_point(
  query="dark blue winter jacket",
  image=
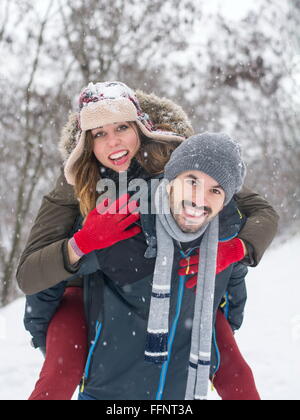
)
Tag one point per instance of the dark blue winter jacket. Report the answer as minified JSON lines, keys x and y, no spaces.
{"x":104,"y":289}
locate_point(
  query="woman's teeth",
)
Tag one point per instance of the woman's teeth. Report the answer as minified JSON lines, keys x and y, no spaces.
{"x":119,"y":155}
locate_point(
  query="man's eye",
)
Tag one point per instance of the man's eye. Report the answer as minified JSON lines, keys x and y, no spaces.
{"x":192,"y":182}
{"x":215,"y":191}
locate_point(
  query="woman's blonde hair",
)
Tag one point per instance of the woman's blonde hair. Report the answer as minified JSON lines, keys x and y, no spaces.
{"x":153,"y":155}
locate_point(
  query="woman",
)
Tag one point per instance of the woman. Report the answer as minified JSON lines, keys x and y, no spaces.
{"x":123,"y":139}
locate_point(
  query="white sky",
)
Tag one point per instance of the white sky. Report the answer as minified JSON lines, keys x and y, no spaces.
{"x":235,"y":9}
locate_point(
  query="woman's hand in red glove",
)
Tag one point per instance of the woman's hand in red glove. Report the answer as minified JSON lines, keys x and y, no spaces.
{"x":228,"y":253}
{"x":106,"y":225}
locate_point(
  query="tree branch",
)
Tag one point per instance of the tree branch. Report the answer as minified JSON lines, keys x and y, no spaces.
{"x":5,"y":20}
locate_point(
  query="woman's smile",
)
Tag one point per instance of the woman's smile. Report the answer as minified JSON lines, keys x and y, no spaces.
{"x":120,"y":157}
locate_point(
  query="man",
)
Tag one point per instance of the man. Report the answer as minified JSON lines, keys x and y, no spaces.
{"x":152,"y":336}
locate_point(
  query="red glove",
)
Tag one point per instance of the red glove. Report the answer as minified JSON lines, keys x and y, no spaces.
{"x":106,"y":224}
{"x":228,"y":253}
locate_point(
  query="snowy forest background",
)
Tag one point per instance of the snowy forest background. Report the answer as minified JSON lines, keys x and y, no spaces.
{"x":231,"y":68}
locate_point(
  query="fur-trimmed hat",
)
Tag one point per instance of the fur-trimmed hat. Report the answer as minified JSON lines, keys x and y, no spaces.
{"x":111,"y":102}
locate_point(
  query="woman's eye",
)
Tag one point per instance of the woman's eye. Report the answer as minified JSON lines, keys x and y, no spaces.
{"x":99,"y":134}
{"x":215,"y":191}
{"x":122,"y":127}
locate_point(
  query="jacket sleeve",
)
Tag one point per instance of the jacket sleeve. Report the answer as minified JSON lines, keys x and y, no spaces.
{"x":44,"y":262}
{"x":236,"y":296}
{"x":261,"y":224}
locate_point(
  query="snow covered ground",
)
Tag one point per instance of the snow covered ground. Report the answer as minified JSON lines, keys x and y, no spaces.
{"x":269,"y":338}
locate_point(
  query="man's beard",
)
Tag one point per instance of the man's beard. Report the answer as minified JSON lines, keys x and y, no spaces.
{"x":188,"y":228}
{"x":192,"y":226}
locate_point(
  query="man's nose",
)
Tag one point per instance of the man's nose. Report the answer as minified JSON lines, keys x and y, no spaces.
{"x":199,"y":198}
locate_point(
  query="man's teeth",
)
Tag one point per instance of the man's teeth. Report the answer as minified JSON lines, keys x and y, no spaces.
{"x":118,"y":155}
{"x":193,"y":212}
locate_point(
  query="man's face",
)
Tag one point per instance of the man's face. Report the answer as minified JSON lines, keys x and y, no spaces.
{"x":195,"y":199}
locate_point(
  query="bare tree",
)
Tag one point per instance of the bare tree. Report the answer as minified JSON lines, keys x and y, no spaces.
{"x":4,"y":20}
{"x":29,"y":170}
{"x":124,"y":37}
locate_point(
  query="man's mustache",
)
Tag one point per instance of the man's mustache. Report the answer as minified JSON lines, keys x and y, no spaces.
{"x":193,"y":205}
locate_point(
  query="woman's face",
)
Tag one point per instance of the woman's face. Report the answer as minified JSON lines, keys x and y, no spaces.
{"x":115,"y":145}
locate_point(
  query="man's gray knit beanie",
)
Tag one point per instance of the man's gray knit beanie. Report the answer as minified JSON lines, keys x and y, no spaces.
{"x":215,"y":154}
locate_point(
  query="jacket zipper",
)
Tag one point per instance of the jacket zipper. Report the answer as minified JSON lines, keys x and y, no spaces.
{"x":164,"y":371}
{"x":165,"y":366}
{"x":90,"y":355}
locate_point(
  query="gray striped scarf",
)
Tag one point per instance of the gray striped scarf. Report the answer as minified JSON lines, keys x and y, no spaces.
{"x":158,"y":322}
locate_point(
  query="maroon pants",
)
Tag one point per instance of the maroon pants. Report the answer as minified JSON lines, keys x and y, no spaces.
{"x":234,"y":379}
{"x":66,"y":353}
{"x":66,"y":350}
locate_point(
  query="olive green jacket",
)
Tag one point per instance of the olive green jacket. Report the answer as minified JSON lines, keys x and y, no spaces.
{"x":44,"y":261}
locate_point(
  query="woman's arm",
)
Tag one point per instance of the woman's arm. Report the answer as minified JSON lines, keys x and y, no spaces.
{"x":261,"y":225}
{"x":44,"y":261}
